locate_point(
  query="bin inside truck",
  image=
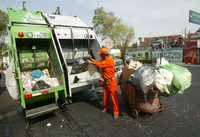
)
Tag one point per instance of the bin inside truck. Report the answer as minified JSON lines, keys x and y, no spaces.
{"x":39,"y":69}
{"x":76,"y":54}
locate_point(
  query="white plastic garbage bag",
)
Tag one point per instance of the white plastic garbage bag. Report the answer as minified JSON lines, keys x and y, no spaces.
{"x":11,"y":83}
{"x":134,"y":65}
{"x":147,"y":78}
{"x":163,"y":79}
{"x":143,"y":78}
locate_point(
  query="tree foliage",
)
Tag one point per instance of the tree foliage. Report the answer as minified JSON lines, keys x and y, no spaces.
{"x":106,"y":24}
{"x":3,"y":21}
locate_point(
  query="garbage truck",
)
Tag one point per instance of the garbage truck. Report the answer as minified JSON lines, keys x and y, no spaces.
{"x":76,"y":43}
{"x":36,"y":65}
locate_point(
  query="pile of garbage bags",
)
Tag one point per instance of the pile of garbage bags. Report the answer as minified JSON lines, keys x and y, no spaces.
{"x":169,"y":79}
{"x":38,"y":80}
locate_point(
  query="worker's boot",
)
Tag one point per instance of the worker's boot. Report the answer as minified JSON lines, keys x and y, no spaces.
{"x":104,"y":111}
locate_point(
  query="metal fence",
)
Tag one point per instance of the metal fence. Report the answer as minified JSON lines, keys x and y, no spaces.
{"x":173,"y":55}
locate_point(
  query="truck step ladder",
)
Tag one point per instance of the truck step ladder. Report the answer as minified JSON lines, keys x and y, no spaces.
{"x":40,"y":111}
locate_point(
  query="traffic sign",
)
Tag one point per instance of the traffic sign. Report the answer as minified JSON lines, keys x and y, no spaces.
{"x":194,"y":17}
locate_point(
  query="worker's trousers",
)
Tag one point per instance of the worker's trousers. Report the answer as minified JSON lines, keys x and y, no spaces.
{"x":111,"y":89}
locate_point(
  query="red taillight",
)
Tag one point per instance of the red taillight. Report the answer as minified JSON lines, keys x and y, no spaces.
{"x":44,"y":91}
{"x":21,"y":34}
{"x":28,"y":95}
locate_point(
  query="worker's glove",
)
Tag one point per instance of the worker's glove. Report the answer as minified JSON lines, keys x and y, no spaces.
{"x":91,"y":61}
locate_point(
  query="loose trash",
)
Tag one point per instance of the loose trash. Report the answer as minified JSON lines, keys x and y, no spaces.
{"x":79,"y":65}
{"x":38,"y":80}
{"x":134,"y":65}
{"x":48,"y":124}
{"x":36,"y":74}
{"x":39,"y":85}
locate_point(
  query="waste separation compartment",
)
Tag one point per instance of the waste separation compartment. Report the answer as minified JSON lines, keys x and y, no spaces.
{"x":76,"y":43}
{"x":38,"y":71}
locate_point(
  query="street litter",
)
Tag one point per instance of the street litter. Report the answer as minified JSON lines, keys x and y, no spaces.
{"x":48,"y":124}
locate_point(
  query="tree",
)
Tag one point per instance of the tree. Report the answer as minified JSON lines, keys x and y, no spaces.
{"x":106,"y":24}
{"x":3,"y":22}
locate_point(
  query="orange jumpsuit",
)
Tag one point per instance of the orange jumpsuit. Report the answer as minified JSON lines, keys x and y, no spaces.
{"x":110,"y":87}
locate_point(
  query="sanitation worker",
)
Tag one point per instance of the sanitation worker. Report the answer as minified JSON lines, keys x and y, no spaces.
{"x":107,"y":65}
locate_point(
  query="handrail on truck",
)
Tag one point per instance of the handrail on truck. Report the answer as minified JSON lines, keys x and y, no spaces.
{"x":72,"y":26}
{"x":12,"y":23}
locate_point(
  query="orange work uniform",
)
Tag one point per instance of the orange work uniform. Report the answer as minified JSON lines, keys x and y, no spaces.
{"x":110,"y":87}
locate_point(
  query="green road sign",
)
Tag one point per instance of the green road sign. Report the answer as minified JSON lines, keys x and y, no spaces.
{"x":194,"y":17}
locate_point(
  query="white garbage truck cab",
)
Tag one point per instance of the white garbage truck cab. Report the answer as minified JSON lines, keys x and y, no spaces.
{"x":76,"y":43}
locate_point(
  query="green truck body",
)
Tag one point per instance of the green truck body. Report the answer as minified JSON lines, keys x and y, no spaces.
{"x":31,"y":35}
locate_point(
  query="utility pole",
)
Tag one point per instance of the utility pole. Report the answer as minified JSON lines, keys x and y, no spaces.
{"x":57,"y":12}
{"x":23,"y":5}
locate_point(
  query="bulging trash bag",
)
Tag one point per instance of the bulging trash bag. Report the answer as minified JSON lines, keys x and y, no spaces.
{"x":147,"y":78}
{"x":163,"y":80}
{"x":143,"y":78}
{"x":181,"y":80}
{"x":11,"y":82}
{"x":134,"y":65}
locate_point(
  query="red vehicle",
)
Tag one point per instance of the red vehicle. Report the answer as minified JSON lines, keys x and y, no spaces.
{"x":190,"y":53}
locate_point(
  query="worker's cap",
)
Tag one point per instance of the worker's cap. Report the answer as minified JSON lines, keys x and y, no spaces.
{"x":103,"y":51}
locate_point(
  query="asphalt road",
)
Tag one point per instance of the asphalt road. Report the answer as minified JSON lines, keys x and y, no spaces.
{"x":84,"y":118}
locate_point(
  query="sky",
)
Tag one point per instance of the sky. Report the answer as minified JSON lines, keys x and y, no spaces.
{"x":148,"y":17}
